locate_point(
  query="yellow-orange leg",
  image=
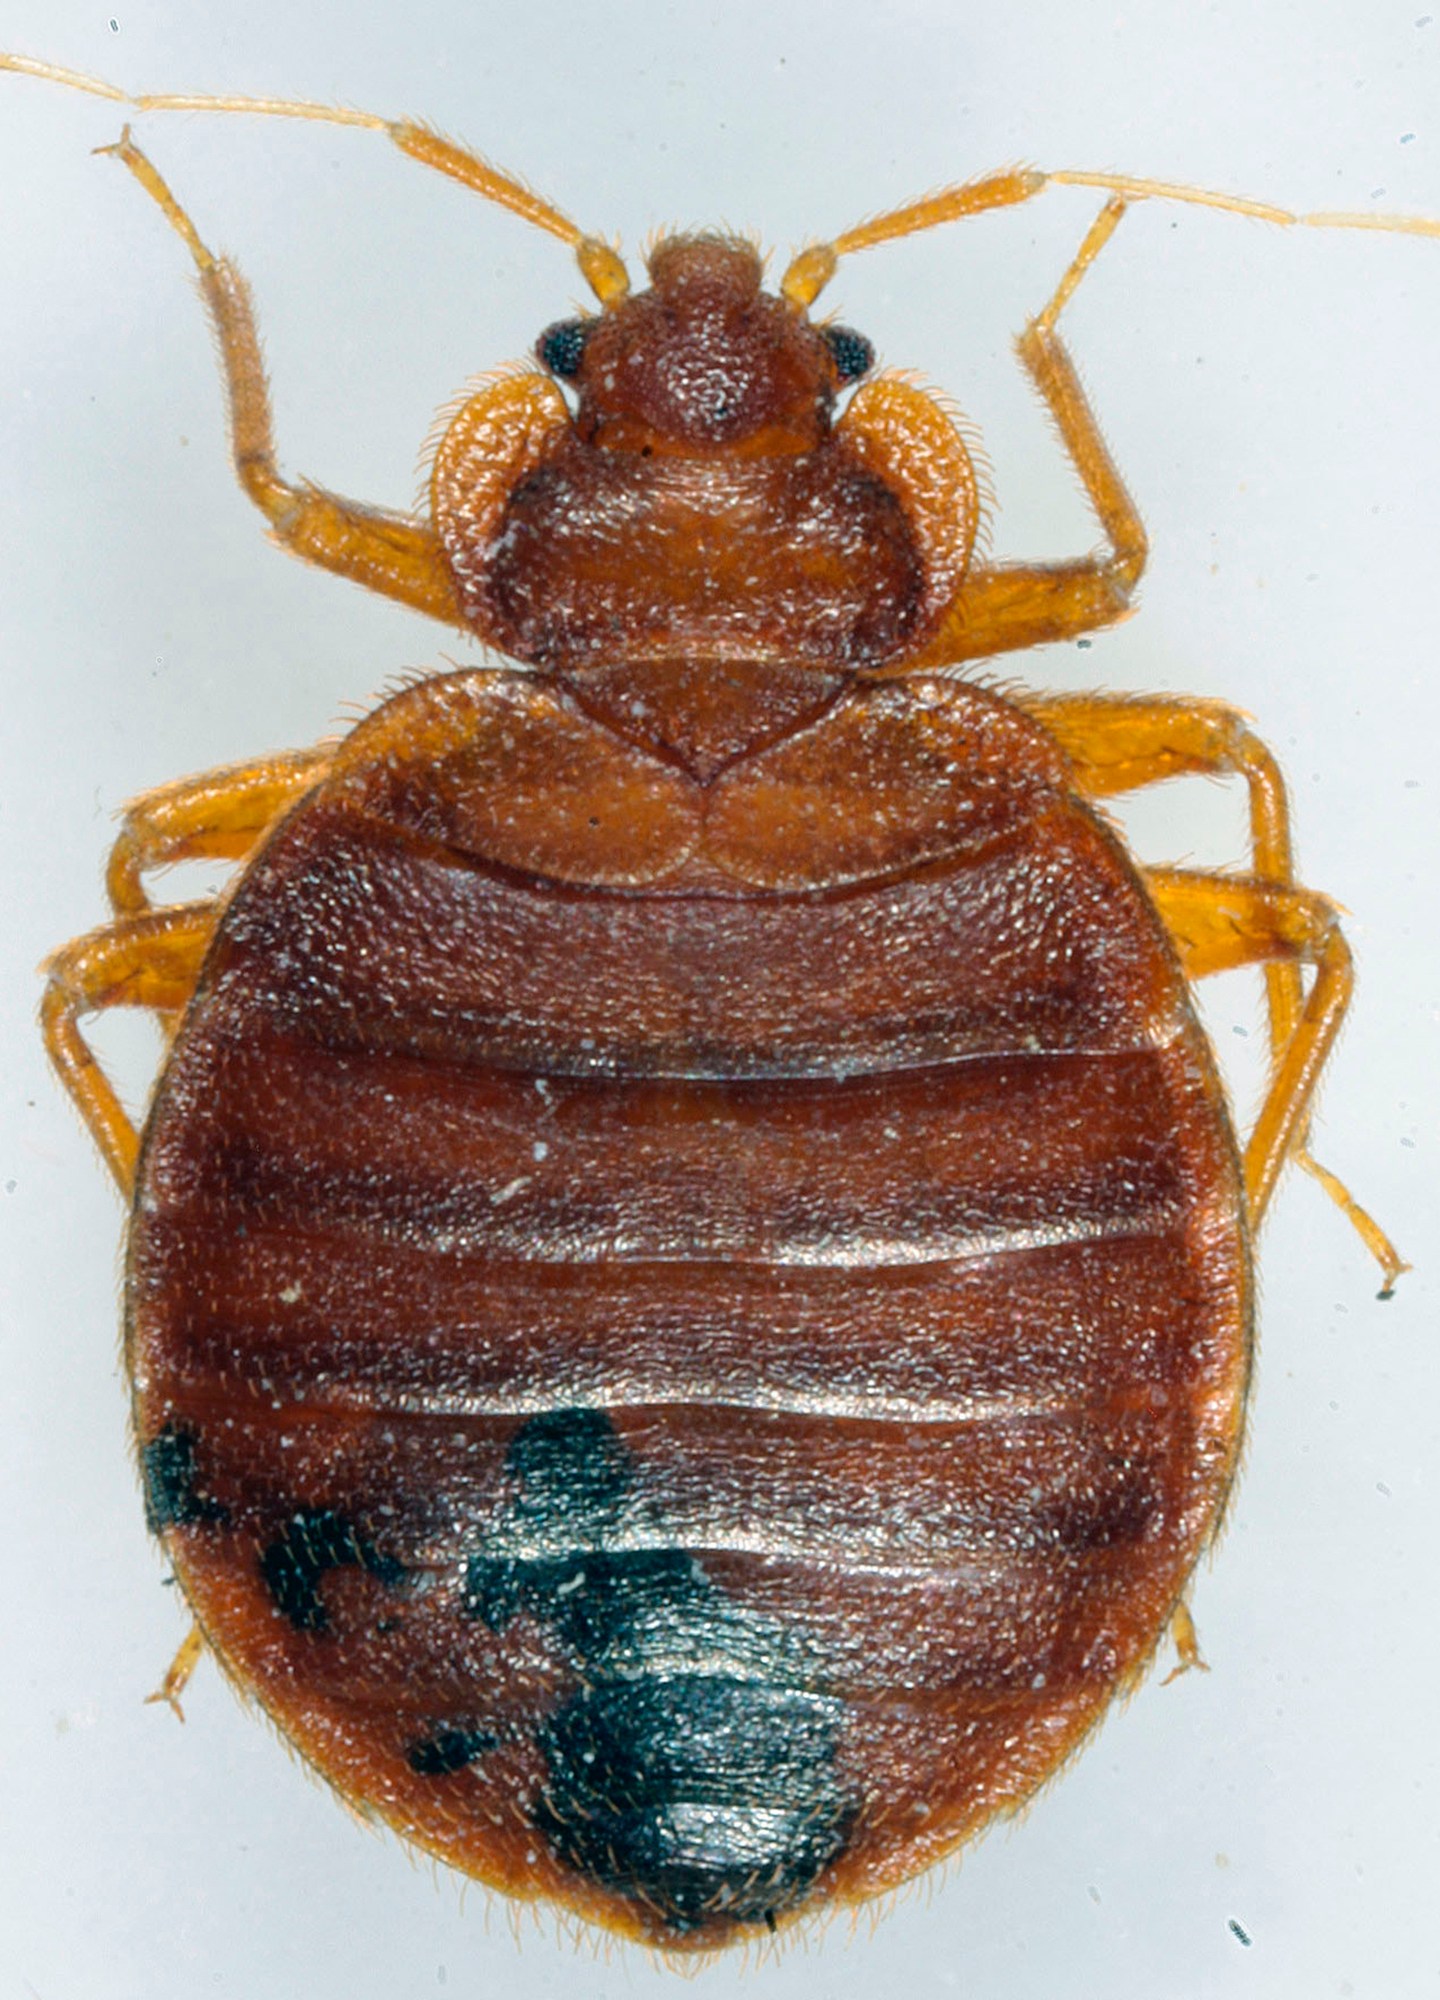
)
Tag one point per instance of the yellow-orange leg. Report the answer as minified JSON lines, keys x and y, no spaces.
{"x":391,"y":553}
{"x":1222,"y":922}
{"x":219,"y":816}
{"x":177,"y":1675}
{"x":1118,"y":743}
{"x":1009,"y":605}
{"x":1186,"y":1641}
{"x":146,"y":961}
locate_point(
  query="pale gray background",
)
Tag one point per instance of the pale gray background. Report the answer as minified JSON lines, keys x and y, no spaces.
{"x":1272,"y":398}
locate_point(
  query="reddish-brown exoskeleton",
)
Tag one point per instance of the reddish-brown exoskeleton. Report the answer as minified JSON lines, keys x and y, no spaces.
{"x":689,"y":1283}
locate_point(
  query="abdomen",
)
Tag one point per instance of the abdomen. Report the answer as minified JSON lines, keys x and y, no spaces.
{"x":745,"y":1376}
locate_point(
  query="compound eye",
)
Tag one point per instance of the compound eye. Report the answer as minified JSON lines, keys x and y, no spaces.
{"x":561,"y":348}
{"x":850,"y":351}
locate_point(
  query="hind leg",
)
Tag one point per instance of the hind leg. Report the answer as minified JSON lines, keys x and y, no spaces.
{"x":151,"y":960}
{"x":1119,"y":743}
{"x":1220,"y":922}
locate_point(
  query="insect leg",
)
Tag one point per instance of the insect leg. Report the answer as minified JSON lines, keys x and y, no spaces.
{"x":144,"y":961}
{"x":1119,"y":743}
{"x":219,"y":816}
{"x":177,"y":1675}
{"x":393,"y":554}
{"x":1005,"y":606}
{"x":1221,"y":922}
{"x":1186,"y":1640}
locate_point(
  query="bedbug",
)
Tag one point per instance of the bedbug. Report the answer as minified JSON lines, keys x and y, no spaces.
{"x":688,"y":1293}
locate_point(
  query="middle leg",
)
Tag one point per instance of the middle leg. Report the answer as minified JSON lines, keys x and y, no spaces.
{"x":150,"y":961}
{"x":1121,"y":743}
{"x":219,"y":816}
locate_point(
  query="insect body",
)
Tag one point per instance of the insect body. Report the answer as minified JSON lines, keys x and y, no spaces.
{"x":689,"y":1285}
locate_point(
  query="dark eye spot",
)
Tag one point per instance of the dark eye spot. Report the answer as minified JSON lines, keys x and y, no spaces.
{"x":561,"y":348}
{"x":850,"y":351}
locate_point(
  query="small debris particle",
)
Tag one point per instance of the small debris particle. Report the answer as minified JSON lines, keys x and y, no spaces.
{"x":1239,"y":1931}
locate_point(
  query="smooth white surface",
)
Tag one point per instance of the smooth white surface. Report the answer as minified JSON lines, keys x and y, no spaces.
{"x":1272,"y":399}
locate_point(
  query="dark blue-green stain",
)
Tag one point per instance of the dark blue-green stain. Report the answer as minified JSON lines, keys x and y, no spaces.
{"x":694,"y":1767}
{"x":317,"y":1540}
{"x":174,"y":1496}
{"x":450,"y":1749}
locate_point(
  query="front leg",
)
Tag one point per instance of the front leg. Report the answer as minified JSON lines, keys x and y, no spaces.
{"x":1003,"y":607}
{"x":394,"y":554}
